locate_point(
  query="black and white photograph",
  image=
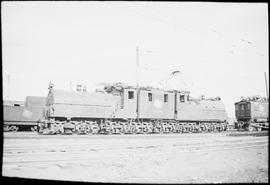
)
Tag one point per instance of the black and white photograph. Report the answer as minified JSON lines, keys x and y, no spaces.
{"x":156,"y":92}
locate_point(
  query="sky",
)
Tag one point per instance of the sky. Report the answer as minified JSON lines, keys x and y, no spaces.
{"x":220,"y":49}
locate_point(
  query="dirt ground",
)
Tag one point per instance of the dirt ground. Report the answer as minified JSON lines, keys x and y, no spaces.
{"x":167,"y":158}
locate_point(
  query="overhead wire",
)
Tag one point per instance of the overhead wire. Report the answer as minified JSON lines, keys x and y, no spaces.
{"x":177,"y":25}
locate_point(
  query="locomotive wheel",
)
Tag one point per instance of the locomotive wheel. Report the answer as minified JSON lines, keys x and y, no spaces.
{"x":170,"y":129}
{"x":184,"y":129}
{"x":11,"y":128}
{"x":164,"y":128}
{"x":210,"y":128}
{"x":160,"y":130}
{"x":15,"y":129}
{"x":259,"y":129}
{"x":174,"y":129}
{"x":150,"y":130}
{"x":215,"y":128}
{"x":109,"y":131}
{"x":127,"y":129}
{"x":34,"y":129}
{"x":87,"y":129}
{"x":206,"y":127}
{"x":197,"y":128}
{"x":122,"y":131}
{"x":60,"y":129}
{"x":221,"y":129}
{"x":187,"y":128}
{"x":84,"y":129}
{"x":6,"y":128}
{"x":53,"y":129}
{"x":181,"y":129}
{"x":68,"y":131}
{"x":192,"y":129}
{"x":144,"y":130}
{"x":202,"y":128}
{"x":118,"y":130}
{"x":133,"y":130}
{"x":76,"y":130}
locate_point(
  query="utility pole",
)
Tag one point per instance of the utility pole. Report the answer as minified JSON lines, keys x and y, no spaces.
{"x":137,"y":83}
{"x":266,"y":85}
{"x":137,"y":63}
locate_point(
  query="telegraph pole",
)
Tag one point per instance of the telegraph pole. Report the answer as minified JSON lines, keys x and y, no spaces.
{"x":137,"y":83}
{"x":137,"y":64}
{"x":266,"y":85}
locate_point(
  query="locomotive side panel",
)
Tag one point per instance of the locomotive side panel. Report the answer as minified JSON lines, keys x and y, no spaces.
{"x":36,"y":113}
{"x":259,"y":110}
{"x":81,"y":98}
{"x":199,"y":110}
{"x":127,"y":105}
{"x":81,"y":111}
{"x":67,"y":104}
{"x":188,"y":110}
{"x":156,"y":104}
{"x":213,"y":110}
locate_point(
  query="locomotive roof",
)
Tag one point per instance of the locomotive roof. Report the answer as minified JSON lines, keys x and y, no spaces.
{"x":119,"y":86}
{"x":252,"y":100}
{"x":82,"y":98}
{"x":13,"y":102}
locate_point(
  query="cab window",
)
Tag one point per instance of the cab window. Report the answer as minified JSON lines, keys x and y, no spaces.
{"x":150,"y":97}
{"x":165,"y":97}
{"x":130,"y":94}
{"x":182,"y":98}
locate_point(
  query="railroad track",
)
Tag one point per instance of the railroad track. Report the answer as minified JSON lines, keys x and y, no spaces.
{"x":75,"y":153}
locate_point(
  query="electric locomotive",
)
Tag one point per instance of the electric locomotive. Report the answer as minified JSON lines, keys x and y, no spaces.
{"x":121,"y":109}
{"x":252,"y":113}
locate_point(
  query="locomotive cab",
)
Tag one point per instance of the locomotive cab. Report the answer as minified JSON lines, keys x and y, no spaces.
{"x":252,"y":113}
{"x":242,"y":111}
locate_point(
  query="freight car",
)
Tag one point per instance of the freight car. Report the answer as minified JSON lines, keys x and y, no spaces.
{"x":126,"y":109}
{"x":23,"y":116}
{"x":252,"y":114}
